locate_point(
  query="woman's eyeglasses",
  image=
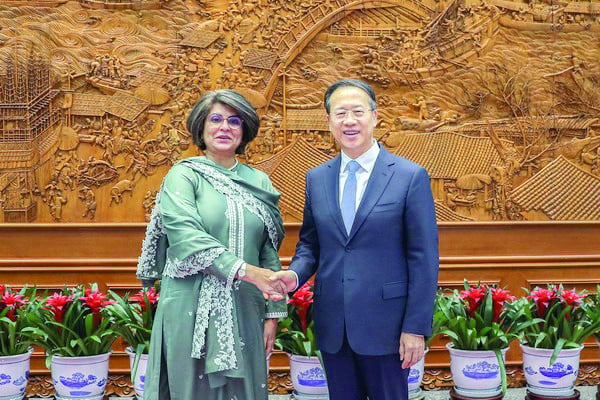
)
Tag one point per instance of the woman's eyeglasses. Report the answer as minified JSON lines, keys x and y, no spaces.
{"x":233,"y":121}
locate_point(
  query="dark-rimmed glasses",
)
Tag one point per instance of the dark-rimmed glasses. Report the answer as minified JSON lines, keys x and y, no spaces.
{"x":233,"y":121}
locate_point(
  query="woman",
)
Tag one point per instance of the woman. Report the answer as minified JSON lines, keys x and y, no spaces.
{"x":213,"y":326}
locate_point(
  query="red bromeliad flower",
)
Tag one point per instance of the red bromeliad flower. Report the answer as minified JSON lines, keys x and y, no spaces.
{"x":95,"y":300}
{"x":12,"y":301}
{"x":2,"y":290}
{"x":571,"y":298}
{"x":150,"y":294}
{"x":499,"y":297}
{"x":302,"y":299}
{"x":474,"y":297}
{"x":542,"y":298}
{"x":57,"y":303}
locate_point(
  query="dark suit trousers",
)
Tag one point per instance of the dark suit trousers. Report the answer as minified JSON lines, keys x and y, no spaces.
{"x":351,"y":376}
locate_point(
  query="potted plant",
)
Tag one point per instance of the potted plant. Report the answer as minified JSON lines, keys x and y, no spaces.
{"x":133,"y":318}
{"x":592,"y":308}
{"x":74,"y":328}
{"x":415,"y":374}
{"x":551,"y":346}
{"x":15,"y":347}
{"x":593,"y":311}
{"x":295,"y":336}
{"x":480,"y":329}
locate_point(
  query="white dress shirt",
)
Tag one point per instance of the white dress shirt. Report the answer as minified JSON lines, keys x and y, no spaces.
{"x":367,"y":163}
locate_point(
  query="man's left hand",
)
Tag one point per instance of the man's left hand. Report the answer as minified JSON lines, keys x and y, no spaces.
{"x":412,"y":349}
{"x":270,"y":330}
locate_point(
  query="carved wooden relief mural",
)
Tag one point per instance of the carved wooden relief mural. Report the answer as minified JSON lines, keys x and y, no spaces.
{"x":498,"y":99}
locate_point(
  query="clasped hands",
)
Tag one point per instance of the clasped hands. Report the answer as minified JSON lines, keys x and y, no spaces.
{"x":274,"y":285}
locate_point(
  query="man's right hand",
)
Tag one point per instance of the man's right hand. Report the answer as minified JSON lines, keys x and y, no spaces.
{"x":285,"y":278}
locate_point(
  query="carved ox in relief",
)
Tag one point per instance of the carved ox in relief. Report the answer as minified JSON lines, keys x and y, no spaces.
{"x":121,"y":187}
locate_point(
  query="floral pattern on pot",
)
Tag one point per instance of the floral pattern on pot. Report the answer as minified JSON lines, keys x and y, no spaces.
{"x":75,"y":377}
{"x":476,"y":373}
{"x":481,"y":370}
{"x":556,"y":380}
{"x":312,"y":377}
{"x":308,"y":377}
{"x":14,"y":372}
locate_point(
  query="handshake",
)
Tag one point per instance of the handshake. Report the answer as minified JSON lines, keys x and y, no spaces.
{"x":273,"y":285}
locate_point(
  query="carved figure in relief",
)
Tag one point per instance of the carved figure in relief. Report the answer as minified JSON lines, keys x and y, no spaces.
{"x":89,"y":198}
{"x":95,"y":65}
{"x":121,"y":187}
{"x":171,"y":143}
{"x":56,"y":205}
{"x":500,"y":188}
{"x":139,"y":164}
{"x":50,"y":191}
{"x":592,"y":158}
{"x":148,"y":203}
{"x":423,"y":107}
{"x":66,"y":175}
{"x":512,"y":211}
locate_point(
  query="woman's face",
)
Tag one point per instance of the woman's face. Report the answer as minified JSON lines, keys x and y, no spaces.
{"x":223,"y":130}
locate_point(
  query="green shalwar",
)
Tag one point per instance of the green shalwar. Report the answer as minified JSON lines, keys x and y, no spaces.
{"x":207,"y":338}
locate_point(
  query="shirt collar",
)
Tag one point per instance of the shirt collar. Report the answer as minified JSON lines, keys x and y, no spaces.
{"x":366,"y":160}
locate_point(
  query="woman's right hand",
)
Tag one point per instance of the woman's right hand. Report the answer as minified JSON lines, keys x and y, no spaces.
{"x":260,"y":277}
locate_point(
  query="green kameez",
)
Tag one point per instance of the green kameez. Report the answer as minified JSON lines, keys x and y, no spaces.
{"x":196,"y":218}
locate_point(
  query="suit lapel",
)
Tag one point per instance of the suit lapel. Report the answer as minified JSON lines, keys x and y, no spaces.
{"x":332,"y":184}
{"x":378,"y":181}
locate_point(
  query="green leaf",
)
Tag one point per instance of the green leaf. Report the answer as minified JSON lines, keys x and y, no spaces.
{"x":95,"y":339}
{"x":557,"y":349}
{"x":503,"y":378}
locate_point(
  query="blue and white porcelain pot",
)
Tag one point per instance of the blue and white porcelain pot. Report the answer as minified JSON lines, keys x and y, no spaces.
{"x":139,"y":380}
{"x":308,"y":376}
{"x":556,"y":380}
{"x":14,"y":373}
{"x":415,"y":377}
{"x":476,"y":373}
{"x":80,"y":377}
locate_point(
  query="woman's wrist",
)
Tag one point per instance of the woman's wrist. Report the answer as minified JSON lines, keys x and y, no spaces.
{"x":249,"y":274}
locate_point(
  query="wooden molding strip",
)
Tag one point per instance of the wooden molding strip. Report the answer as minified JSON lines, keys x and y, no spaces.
{"x":486,"y":262}
{"x":444,"y":225}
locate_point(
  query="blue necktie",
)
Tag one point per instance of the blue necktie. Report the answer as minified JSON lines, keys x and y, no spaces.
{"x":349,"y":195}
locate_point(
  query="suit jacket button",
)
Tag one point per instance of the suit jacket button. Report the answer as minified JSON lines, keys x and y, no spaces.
{"x":348,"y":249}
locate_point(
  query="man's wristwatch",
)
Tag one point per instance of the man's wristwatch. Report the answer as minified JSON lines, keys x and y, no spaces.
{"x":242,"y":271}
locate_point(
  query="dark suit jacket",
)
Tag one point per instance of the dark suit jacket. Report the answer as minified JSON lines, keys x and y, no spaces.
{"x":381,"y":279}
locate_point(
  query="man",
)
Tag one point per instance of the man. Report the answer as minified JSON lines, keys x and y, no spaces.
{"x":370,"y":236}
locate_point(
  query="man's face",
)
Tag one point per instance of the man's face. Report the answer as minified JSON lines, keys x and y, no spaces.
{"x":351,"y":120}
